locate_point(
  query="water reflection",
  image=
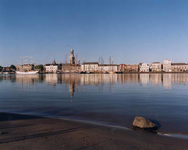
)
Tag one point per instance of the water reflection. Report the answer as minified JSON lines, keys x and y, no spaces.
{"x":167,"y":81}
{"x":156,"y":79}
{"x":113,"y":98}
{"x":51,"y":79}
{"x":144,"y":79}
{"x":79,"y":82}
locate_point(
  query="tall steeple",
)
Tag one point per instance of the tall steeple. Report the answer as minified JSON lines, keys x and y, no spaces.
{"x":54,"y":62}
{"x":72,"y":58}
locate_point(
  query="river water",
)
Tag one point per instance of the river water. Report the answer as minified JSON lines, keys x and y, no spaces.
{"x":104,"y":98}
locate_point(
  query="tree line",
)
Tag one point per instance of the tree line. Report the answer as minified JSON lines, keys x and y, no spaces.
{"x":13,"y":68}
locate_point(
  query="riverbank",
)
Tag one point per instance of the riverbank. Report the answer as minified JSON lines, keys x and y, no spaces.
{"x":114,"y":73}
{"x":30,"y":132}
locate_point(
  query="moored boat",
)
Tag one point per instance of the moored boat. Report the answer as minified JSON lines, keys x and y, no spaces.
{"x":5,"y":73}
{"x":111,"y":72}
{"x":26,"y":72}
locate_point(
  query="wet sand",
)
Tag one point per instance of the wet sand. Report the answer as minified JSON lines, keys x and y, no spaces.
{"x":30,"y":132}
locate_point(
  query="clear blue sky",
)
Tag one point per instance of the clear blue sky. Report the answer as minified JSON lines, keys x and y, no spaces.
{"x":131,"y":31}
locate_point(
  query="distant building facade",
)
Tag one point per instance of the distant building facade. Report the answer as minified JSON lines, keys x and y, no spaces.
{"x":90,"y":66}
{"x":132,"y":68}
{"x":52,"y":68}
{"x":156,"y":67}
{"x":143,"y":67}
{"x":70,"y":67}
{"x":127,"y":68}
{"x":96,"y":67}
{"x":121,"y":68}
{"x":167,"y":65}
{"x":179,"y":67}
{"x":107,"y":68}
{"x":7,"y":69}
{"x":25,"y":67}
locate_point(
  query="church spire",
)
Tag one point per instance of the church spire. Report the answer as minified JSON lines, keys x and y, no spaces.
{"x":54,"y":62}
{"x":72,"y":58}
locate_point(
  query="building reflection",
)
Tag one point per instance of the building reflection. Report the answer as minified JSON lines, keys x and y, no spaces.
{"x":27,"y":82}
{"x":11,"y":78}
{"x":51,"y":79}
{"x":156,"y":79}
{"x":144,"y":79}
{"x":167,"y":81}
{"x":124,"y":78}
{"x":104,"y":82}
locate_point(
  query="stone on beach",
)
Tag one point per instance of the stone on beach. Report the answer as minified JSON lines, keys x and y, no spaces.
{"x":143,"y":123}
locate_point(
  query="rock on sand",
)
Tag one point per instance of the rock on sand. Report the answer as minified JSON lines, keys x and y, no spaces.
{"x":143,"y":123}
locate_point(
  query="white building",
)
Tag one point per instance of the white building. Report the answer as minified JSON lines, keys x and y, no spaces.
{"x":167,"y":65}
{"x":156,"y":67}
{"x":107,"y":68}
{"x":144,"y":67}
{"x":52,"y":68}
{"x":90,"y":66}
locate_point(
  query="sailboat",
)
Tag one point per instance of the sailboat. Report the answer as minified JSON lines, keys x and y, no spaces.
{"x":26,"y":72}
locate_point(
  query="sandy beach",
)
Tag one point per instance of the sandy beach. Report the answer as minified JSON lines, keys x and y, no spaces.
{"x":30,"y":132}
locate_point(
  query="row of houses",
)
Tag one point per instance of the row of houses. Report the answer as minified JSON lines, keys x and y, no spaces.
{"x":75,"y":66}
{"x":165,"y":66}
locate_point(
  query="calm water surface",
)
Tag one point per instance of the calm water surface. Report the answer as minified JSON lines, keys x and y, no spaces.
{"x":105,"y":98}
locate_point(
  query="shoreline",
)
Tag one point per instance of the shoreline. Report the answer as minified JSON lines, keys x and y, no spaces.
{"x":96,"y":122}
{"x":34,"y":132}
{"x":128,"y":126}
{"x":113,"y":73}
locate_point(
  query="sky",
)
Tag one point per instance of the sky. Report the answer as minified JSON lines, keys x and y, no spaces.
{"x":130,"y":31}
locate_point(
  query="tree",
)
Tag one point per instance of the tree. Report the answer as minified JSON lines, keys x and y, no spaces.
{"x":1,"y":68}
{"x":12,"y":68}
{"x":39,"y":67}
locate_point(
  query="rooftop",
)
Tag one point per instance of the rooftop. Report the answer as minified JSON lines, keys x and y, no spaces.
{"x":156,"y":63}
{"x":107,"y":65}
{"x":179,"y":64}
{"x":90,"y":63}
{"x":51,"y":65}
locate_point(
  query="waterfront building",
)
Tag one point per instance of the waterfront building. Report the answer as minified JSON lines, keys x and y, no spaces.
{"x":132,"y":68}
{"x":72,"y":66}
{"x":167,"y":65}
{"x":107,"y":68}
{"x":179,"y":67}
{"x":7,"y":69}
{"x":90,"y":66}
{"x":156,"y":67}
{"x":72,"y":58}
{"x":121,"y":68}
{"x":25,"y":67}
{"x":127,"y":68}
{"x":143,"y":67}
{"x":52,"y":68}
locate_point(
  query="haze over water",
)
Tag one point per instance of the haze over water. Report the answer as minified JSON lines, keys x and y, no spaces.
{"x":105,"y":98}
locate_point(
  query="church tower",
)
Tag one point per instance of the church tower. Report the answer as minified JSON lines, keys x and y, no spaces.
{"x":72,"y":58}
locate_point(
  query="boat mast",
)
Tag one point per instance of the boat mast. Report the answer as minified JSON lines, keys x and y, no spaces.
{"x":34,"y":63}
